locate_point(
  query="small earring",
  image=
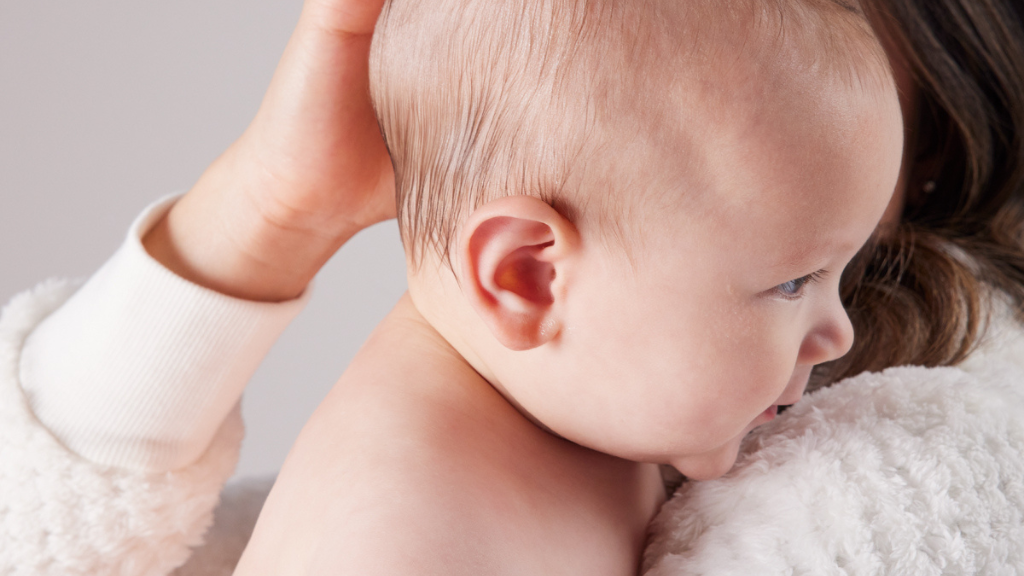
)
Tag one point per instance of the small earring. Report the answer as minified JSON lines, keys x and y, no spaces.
{"x":929,"y":187}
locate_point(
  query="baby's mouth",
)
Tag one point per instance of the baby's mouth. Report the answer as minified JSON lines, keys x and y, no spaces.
{"x":774,"y":410}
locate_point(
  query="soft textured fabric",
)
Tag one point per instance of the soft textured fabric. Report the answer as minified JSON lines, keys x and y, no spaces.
{"x":140,"y":367}
{"x":61,"y":514}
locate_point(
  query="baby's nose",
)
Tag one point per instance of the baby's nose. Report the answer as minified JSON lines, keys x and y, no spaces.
{"x":830,"y":338}
{"x":843,"y":337}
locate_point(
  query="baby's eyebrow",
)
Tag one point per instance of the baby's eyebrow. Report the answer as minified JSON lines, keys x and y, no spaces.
{"x":815,"y":253}
{"x":800,"y":258}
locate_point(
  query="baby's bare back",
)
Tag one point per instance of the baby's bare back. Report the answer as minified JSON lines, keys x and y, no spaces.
{"x":414,"y":464}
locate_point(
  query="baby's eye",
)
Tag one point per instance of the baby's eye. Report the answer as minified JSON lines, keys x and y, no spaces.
{"x":793,"y":289}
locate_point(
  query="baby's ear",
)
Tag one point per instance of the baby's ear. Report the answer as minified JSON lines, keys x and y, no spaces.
{"x":513,"y":254}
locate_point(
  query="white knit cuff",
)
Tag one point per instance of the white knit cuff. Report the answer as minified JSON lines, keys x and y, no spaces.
{"x":139,"y":368}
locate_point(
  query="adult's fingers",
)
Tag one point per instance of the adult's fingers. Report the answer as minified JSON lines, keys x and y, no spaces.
{"x":343,"y":17}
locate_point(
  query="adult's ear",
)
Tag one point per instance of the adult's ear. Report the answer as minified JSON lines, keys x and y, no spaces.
{"x":513,"y":254}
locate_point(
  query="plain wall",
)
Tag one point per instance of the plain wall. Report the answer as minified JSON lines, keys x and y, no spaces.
{"x":104,"y":107}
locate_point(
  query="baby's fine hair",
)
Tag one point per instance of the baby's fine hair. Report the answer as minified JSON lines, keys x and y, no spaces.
{"x":481,"y":99}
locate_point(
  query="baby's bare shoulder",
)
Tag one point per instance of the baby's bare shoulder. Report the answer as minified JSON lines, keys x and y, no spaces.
{"x":416,"y":464}
{"x":395,"y":510}
{"x":401,"y":469}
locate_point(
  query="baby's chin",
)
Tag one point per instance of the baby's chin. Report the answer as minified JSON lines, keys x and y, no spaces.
{"x":709,"y":465}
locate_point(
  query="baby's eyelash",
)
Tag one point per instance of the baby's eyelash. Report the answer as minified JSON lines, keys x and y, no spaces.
{"x":798,"y":285}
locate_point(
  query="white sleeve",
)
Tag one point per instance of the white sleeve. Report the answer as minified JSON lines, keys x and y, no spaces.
{"x":61,"y":514}
{"x":139,"y":368}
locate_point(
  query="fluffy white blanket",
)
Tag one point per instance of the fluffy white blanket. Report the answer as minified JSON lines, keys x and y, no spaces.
{"x":912,"y":471}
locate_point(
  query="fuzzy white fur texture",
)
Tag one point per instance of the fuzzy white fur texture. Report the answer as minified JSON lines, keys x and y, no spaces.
{"x":912,"y":471}
{"x":63,"y":515}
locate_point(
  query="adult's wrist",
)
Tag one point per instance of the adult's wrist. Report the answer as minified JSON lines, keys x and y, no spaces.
{"x":217,"y":237}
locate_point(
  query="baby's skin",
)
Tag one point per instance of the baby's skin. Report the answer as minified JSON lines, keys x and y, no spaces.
{"x":509,"y":415}
{"x":414,"y":464}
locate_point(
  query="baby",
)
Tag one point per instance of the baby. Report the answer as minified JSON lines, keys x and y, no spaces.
{"x":625,"y":222}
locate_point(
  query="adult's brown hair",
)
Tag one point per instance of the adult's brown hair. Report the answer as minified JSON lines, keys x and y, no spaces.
{"x":917,"y":293}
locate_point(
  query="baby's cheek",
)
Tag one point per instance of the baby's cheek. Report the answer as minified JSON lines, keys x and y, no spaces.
{"x":759,"y":360}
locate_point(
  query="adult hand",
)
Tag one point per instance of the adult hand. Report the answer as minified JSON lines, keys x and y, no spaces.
{"x":309,"y":172}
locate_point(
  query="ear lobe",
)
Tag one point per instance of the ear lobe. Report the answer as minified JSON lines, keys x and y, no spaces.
{"x":511,"y":251}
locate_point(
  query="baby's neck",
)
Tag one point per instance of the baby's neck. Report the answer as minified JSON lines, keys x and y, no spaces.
{"x":415,"y":464}
{"x":490,"y":489}
{"x":571,"y":487}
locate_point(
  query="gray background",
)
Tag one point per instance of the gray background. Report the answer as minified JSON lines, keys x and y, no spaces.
{"x":104,"y":107}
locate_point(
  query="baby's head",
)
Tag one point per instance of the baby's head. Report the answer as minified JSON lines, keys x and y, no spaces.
{"x":631,"y":216}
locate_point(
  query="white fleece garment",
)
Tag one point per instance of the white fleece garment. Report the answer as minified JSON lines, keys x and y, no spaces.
{"x":140,"y":367}
{"x":61,"y":514}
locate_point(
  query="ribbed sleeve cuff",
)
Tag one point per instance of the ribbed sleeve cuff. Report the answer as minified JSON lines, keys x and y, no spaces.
{"x":139,"y":368}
